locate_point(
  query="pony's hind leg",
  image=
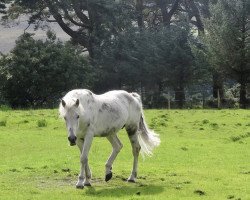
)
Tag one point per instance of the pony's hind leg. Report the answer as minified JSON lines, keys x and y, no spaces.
{"x":117,"y":146}
{"x":133,"y":137}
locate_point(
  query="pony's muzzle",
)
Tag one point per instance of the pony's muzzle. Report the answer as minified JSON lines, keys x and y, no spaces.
{"x":72,"y":140}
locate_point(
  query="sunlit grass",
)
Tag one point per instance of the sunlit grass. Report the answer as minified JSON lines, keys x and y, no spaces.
{"x":203,"y":154}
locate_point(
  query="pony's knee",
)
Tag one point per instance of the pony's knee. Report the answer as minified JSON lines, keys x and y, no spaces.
{"x":136,"y":150}
{"x":84,"y":159}
{"x":117,"y":149}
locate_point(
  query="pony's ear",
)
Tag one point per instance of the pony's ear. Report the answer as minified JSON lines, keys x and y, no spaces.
{"x":63,"y":103}
{"x":77,"y":103}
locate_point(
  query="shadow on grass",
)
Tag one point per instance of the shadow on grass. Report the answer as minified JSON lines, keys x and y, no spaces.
{"x":125,"y":191}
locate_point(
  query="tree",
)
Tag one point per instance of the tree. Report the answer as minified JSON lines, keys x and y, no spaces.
{"x":172,"y":14}
{"x":86,"y":22}
{"x":176,"y":57}
{"x":140,"y":45}
{"x":3,"y":76}
{"x":39,"y":72}
{"x":2,"y":6}
{"x":147,"y":60}
{"x":89,"y":22}
{"x":228,"y":41}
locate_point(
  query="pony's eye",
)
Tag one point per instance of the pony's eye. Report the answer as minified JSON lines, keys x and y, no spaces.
{"x":77,"y":116}
{"x":64,"y":118}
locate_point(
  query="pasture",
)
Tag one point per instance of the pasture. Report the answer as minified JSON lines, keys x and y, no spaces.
{"x":204,"y":154}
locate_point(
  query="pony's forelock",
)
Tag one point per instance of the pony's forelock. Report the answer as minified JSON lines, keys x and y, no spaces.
{"x":70,"y":105}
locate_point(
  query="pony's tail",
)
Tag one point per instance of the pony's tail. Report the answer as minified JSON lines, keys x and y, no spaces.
{"x":147,"y":138}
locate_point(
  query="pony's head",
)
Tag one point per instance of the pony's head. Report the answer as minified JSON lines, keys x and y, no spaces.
{"x":69,"y":110}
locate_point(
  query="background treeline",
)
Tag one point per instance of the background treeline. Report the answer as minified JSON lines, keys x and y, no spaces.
{"x":152,"y":47}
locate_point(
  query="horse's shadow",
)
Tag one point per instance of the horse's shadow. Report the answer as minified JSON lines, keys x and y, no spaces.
{"x":127,"y":190}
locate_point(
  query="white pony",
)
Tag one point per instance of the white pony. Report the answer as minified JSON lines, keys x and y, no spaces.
{"x":88,"y":115}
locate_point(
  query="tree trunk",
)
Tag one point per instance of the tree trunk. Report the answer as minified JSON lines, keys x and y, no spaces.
{"x":139,"y":14}
{"x":168,"y":14}
{"x":164,"y":12}
{"x":160,"y":87}
{"x":193,"y":11}
{"x":243,"y":95}
{"x":90,"y":49}
{"x":180,"y":96}
{"x":243,"y":75}
{"x":218,"y":85}
{"x":196,"y":14}
{"x":157,"y":95}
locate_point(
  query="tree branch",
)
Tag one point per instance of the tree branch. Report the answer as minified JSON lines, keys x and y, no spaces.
{"x":139,"y":13}
{"x":166,"y":16}
{"x":193,"y":11}
{"x":174,"y":8}
{"x":84,"y":19}
{"x":51,"y":20}
{"x":67,"y":16}
{"x":76,"y":36}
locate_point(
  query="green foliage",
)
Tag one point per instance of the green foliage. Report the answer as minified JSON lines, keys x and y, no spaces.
{"x":149,"y":58}
{"x":203,"y":70}
{"x":153,"y":60}
{"x":147,"y":46}
{"x":228,"y":42}
{"x":226,"y":36}
{"x":39,"y":72}
{"x":5,"y":107}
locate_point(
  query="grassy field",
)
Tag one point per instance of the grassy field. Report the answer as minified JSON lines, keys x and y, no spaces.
{"x":204,"y":154}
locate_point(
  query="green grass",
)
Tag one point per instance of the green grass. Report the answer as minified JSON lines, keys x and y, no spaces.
{"x":204,"y":154}
{"x":3,"y":122}
{"x":42,"y":123}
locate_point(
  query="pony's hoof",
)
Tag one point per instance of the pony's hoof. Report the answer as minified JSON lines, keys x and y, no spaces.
{"x":87,"y":184}
{"x":131,"y":181}
{"x":79,"y":186}
{"x":108,"y":176}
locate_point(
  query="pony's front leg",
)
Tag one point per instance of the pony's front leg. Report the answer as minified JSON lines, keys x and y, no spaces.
{"x":85,"y":173}
{"x":81,"y":177}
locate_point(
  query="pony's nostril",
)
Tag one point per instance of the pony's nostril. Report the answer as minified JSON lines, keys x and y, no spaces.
{"x":72,"y":139}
